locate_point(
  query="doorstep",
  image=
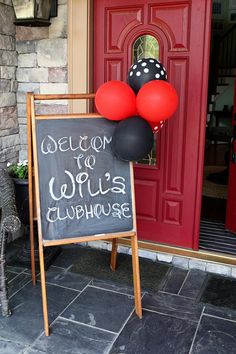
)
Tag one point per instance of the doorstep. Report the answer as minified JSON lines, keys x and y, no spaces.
{"x":217,"y":263}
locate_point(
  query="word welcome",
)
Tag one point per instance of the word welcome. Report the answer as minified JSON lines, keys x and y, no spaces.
{"x":50,"y":145}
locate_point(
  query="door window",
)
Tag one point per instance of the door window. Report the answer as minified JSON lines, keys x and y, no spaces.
{"x":145,"y":46}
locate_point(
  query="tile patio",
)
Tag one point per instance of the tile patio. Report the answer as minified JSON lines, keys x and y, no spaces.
{"x":91,"y":309}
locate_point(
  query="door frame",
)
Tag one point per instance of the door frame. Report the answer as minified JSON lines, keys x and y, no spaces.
{"x":80,"y":61}
{"x":202,"y":127}
{"x":80,"y":51}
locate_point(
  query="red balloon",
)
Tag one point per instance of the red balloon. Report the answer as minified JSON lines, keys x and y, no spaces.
{"x":115,"y":100}
{"x":157,"y":101}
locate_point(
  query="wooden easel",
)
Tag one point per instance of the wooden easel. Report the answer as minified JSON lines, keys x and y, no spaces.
{"x":35,"y":214}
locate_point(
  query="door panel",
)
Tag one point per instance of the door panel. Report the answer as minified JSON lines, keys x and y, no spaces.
{"x":230,"y":222}
{"x":166,"y":194}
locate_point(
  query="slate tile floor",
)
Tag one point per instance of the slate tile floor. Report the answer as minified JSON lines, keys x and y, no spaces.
{"x":91,"y":309}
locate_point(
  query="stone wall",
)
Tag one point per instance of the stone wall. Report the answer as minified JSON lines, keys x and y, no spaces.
{"x":42,"y":67}
{"x":9,"y":131}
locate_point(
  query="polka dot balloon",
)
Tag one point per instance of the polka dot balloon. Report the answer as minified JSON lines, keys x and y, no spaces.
{"x":145,"y":70}
{"x":156,"y":127}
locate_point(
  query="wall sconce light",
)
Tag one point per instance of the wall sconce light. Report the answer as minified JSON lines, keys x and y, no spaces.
{"x":34,"y":13}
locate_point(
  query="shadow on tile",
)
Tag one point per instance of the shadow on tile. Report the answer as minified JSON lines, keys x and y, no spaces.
{"x":61,"y":277}
{"x":220,"y":291}
{"x":95,"y":264}
{"x":174,"y":280}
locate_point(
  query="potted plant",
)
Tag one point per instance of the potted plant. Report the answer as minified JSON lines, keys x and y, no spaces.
{"x":18,"y":170}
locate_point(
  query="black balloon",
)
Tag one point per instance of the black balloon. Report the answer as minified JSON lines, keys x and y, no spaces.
{"x":132,"y":139}
{"x":145,"y":70}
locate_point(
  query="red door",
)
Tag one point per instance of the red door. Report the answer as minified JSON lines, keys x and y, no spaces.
{"x":230,"y":222}
{"x":168,"y":195}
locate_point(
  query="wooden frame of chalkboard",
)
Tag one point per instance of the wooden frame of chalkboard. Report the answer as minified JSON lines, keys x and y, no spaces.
{"x":78,"y":190}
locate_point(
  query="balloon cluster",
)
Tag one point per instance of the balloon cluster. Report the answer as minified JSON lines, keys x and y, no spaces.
{"x":142,"y":106}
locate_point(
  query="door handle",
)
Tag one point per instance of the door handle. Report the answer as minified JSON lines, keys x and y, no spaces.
{"x":233,"y":143}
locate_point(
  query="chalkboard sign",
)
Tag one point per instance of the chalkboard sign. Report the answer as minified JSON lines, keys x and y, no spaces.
{"x":82,"y":192}
{"x":83,"y":188}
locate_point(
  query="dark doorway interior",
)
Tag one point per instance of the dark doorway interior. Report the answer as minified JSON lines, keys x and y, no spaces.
{"x":218,"y":132}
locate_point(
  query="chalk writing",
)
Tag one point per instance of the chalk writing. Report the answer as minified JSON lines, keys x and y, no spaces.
{"x":86,"y":190}
{"x":89,"y":211}
{"x":82,"y":178}
{"x":50,"y":145}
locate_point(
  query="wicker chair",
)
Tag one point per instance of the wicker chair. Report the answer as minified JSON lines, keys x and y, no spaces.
{"x":9,"y":222}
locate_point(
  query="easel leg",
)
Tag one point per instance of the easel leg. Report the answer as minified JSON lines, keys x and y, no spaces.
{"x":43,"y":289}
{"x":113,"y":254}
{"x":30,"y":186}
{"x":32,"y":253}
{"x":136,"y":276}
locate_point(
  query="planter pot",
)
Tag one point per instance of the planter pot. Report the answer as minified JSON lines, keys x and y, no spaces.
{"x":22,"y":199}
{"x":22,"y":204}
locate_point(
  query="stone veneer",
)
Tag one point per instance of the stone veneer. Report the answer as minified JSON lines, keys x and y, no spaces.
{"x":40,"y":57}
{"x":9,"y":130}
{"x":42,"y":67}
